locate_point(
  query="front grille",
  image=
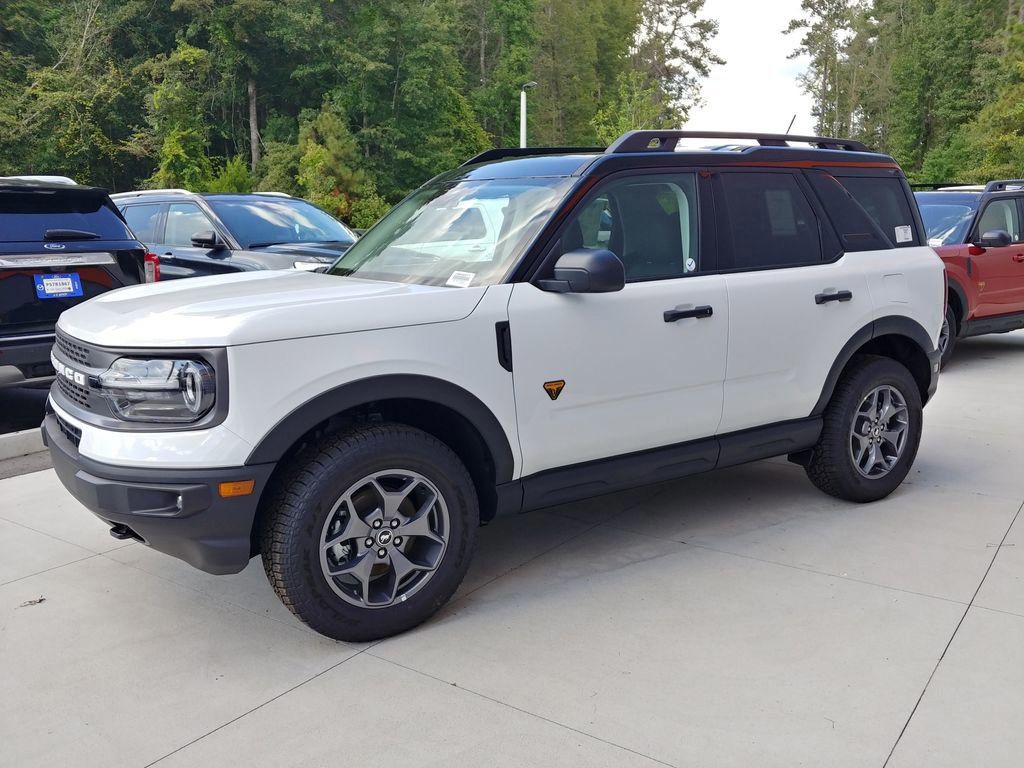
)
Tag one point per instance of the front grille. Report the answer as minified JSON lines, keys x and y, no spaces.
{"x":72,"y":349}
{"x":72,"y":433}
{"x":73,"y":392}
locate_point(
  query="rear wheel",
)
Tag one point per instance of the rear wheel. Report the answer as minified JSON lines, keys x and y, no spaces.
{"x":371,"y":532}
{"x":947,"y":336}
{"x":871,"y":431}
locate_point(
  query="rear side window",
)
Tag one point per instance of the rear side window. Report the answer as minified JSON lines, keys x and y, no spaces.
{"x":768,"y":222}
{"x":143,"y":219}
{"x":885,"y":201}
{"x":857,"y":231}
{"x":25,"y":216}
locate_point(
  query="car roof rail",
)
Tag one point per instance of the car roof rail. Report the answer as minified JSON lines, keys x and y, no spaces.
{"x":502,"y":153}
{"x":273,"y":194}
{"x":141,"y":192}
{"x":665,"y":141}
{"x":1002,"y":185}
{"x":937,"y":186}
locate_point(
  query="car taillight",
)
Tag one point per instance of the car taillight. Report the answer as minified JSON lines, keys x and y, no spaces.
{"x":152,"y":267}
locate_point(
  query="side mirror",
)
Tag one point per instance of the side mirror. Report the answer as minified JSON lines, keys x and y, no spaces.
{"x":996,"y":238}
{"x":207,"y":238}
{"x":586,"y":271}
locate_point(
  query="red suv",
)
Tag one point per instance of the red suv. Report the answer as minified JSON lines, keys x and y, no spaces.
{"x":978,"y":233}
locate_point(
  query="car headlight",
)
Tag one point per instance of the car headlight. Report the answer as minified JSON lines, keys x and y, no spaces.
{"x":159,"y":390}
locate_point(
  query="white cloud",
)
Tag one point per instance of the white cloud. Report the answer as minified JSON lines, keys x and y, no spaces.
{"x":757,"y":89}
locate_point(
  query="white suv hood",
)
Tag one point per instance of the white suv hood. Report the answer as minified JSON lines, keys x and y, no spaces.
{"x":258,"y":306}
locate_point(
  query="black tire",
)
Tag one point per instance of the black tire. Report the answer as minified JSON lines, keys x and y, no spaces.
{"x":298,"y":507}
{"x":831,"y":466}
{"x":951,"y":324}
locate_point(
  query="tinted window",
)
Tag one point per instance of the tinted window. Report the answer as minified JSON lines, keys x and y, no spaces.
{"x":183,"y":221}
{"x":768,"y":222}
{"x":25,"y":216}
{"x":857,"y":231}
{"x":886,"y":203}
{"x":259,"y":221}
{"x":142,"y":219}
{"x":1000,"y":214}
{"x":650,"y":222}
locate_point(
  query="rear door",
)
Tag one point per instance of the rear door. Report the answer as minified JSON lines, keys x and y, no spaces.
{"x":58,"y":248}
{"x":793,"y":299}
{"x":178,"y":257}
{"x":999,"y":272}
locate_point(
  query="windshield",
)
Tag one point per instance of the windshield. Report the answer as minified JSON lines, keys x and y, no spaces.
{"x":455,"y":233}
{"x":946,"y":215}
{"x":271,"y":221}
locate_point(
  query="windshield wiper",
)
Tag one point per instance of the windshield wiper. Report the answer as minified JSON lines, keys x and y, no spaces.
{"x":69,"y":234}
{"x":264,"y":245}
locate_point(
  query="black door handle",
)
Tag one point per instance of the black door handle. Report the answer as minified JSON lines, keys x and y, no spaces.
{"x":824,"y":298}
{"x":671,"y":315}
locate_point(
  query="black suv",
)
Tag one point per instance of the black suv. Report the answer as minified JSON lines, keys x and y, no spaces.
{"x":214,"y":234}
{"x":60,"y":244}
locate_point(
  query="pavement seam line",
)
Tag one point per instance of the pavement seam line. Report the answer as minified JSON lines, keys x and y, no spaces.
{"x":520,"y":710}
{"x":549,"y":550}
{"x":803,"y":568}
{"x":257,"y":707}
{"x":52,"y":568}
{"x":209,"y":596}
{"x":952,"y":637}
{"x":49,"y":535}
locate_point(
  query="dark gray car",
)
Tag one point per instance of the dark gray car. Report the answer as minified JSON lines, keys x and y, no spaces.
{"x":213,"y":234}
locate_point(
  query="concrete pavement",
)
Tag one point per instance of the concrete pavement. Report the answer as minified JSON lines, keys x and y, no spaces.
{"x":738,"y":619}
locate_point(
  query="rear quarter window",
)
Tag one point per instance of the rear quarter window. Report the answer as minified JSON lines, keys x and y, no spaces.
{"x":884,"y":199}
{"x":26,"y":215}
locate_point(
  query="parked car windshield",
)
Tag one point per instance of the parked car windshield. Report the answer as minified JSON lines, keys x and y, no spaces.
{"x":455,"y":233}
{"x":946,"y":215}
{"x":272,"y":221}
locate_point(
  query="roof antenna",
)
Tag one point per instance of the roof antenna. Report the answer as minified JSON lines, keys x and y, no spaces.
{"x":791,"y":123}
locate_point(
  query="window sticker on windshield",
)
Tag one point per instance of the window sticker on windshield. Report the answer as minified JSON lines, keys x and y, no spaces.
{"x":460,"y":279}
{"x":904,"y":234}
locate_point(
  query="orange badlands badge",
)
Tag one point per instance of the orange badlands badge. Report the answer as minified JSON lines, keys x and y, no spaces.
{"x":554,"y":388}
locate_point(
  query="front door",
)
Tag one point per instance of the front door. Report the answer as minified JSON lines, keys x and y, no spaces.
{"x":178,"y":257}
{"x":601,"y":375}
{"x":999,"y":272}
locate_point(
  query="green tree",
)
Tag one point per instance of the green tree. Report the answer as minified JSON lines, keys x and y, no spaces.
{"x":634,"y":105}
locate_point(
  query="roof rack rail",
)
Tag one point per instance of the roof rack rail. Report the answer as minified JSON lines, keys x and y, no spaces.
{"x":935,"y":186}
{"x":141,"y":192}
{"x":665,"y":141}
{"x":1001,"y":185}
{"x":273,"y":194}
{"x":500,"y":153}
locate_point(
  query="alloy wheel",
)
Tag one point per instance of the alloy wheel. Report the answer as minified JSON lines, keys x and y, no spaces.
{"x":879,"y":432}
{"x":384,"y":538}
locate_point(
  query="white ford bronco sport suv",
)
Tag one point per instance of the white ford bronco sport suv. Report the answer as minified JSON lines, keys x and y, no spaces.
{"x":645,"y":312}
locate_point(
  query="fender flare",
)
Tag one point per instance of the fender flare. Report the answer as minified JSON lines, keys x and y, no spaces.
{"x":284,"y":434}
{"x":886,"y":326}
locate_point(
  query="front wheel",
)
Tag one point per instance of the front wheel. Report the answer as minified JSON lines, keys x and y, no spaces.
{"x":370,"y":532}
{"x":871,"y":431}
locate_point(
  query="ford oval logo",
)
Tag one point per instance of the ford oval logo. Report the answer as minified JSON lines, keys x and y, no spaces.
{"x":54,"y":246}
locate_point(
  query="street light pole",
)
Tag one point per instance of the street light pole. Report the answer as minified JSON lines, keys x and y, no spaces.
{"x":522,"y":111}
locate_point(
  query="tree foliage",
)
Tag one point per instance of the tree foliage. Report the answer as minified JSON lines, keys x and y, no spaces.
{"x":351,"y":103}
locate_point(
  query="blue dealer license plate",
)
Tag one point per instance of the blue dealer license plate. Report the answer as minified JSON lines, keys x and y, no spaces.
{"x":58,"y":286}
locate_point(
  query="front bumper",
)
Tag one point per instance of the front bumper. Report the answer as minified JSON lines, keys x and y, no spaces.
{"x":176,"y":511}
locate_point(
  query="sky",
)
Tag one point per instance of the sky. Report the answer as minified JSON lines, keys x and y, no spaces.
{"x":756,"y":89}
